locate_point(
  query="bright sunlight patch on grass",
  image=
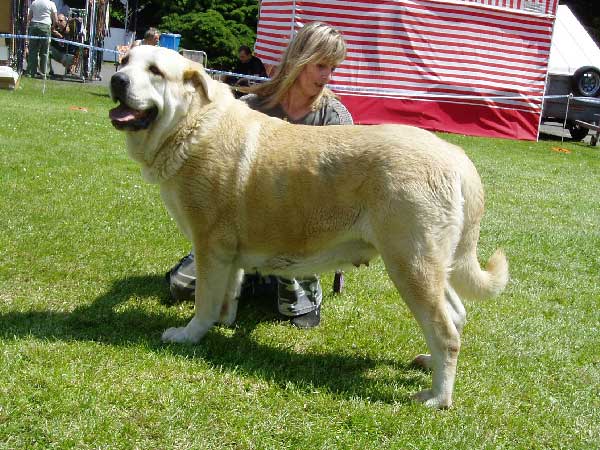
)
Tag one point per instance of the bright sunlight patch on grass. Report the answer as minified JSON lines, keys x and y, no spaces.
{"x":84,"y":247}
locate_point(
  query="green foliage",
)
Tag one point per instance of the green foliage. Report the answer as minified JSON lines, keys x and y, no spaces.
{"x":240,"y":11}
{"x":216,"y":27}
{"x":211,"y":32}
{"x":117,"y":17}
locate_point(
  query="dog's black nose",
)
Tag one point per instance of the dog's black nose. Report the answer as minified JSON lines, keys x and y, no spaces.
{"x":119,"y":83}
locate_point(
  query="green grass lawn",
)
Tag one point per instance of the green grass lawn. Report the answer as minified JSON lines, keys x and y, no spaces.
{"x":84,"y":244}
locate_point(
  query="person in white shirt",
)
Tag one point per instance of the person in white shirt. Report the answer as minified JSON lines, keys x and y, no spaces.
{"x":42,"y":15}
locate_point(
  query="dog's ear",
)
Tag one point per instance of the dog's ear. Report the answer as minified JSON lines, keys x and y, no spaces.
{"x":197,"y":77}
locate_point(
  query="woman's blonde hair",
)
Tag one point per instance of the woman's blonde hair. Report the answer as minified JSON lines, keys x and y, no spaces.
{"x":316,"y":42}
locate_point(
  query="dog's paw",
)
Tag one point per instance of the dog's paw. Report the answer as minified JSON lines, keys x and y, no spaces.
{"x":176,"y":336}
{"x":228,"y":320}
{"x":422,"y":361}
{"x":429,"y":399}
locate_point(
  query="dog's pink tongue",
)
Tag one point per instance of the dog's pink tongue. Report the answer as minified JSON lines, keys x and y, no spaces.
{"x":123,"y":114}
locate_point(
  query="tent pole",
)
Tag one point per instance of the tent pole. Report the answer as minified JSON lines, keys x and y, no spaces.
{"x":46,"y":65}
{"x":293,"y":19}
{"x":562,"y":135}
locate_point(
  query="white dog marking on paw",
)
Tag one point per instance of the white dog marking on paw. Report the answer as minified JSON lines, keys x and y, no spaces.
{"x":429,"y":399}
{"x":175,"y":335}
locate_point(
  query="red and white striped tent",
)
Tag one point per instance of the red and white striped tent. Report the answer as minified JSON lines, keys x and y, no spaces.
{"x":474,"y":67}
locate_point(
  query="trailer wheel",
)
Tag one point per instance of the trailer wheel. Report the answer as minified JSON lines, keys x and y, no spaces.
{"x":586,"y":82}
{"x":577,"y":131}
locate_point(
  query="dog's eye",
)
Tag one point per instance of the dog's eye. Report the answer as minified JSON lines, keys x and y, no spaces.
{"x":124,"y":61}
{"x":155,"y":70}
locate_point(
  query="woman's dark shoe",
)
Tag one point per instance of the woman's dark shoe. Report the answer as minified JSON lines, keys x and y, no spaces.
{"x":309,"y":320}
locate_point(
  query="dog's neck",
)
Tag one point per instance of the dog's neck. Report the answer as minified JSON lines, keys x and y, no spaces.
{"x":171,"y":155}
{"x":175,"y":149}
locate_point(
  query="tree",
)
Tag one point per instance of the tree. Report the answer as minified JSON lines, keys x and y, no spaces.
{"x":217,"y":27}
{"x":211,"y":32}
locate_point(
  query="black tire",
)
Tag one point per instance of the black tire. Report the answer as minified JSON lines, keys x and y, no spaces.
{"x":586,"y":82}
{"x":577,"y":131}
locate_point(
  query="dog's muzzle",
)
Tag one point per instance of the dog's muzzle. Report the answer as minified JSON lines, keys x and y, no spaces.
{"x":124,"y":117}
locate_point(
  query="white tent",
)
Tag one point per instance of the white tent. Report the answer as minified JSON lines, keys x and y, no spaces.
{"x":572,"y":46}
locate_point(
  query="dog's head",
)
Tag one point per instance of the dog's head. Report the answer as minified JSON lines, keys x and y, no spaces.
{"x":155,"y":88}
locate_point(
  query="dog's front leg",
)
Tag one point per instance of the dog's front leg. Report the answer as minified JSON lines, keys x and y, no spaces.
{"x":213,"y":279}
{"x":230,"y":305}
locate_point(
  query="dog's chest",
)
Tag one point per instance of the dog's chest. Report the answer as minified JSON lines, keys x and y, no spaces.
{"x":175,"y":208}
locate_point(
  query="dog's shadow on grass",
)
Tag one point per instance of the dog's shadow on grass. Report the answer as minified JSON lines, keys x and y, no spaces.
{"x":120,"y":317}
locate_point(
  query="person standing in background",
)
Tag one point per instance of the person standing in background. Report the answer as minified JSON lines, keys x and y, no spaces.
{"x":40,"y":19}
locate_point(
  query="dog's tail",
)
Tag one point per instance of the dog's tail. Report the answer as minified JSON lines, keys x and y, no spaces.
{"x":470,"y":281}
{"x":466,"y":276}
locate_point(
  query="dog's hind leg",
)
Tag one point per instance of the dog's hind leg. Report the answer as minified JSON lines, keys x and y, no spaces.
{"x":455,"y":308}
{"x":421,"y":284}
{"x":457,"y":312}
{"x":213,"y":281}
